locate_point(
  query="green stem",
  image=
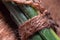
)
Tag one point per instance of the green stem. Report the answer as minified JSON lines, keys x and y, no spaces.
{"x":48,"y":34}
{"x":55,"y":35}
{"x":18,"y":16}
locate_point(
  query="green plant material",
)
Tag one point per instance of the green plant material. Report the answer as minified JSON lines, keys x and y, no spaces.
{"x":55,"y":35}
{"x":18,"y":16}
{"x":16,"y":13}
{"x":28,"y":11}
{"x":36,"y":37}
{"x":31,"y":13}
{"x":47,"y":34}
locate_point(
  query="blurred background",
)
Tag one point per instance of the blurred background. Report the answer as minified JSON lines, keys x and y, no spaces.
{"x":53,"y":7}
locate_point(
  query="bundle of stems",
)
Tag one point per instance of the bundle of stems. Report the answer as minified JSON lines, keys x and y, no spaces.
{"x":23,"y":13}
{"x":46,"y":33}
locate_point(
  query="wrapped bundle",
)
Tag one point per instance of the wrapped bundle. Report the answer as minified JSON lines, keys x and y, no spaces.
{"x":32,"y":17}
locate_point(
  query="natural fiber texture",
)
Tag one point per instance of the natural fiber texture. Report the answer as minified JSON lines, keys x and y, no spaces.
{"x":33,"y":25}
{"x":36,"y":23}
